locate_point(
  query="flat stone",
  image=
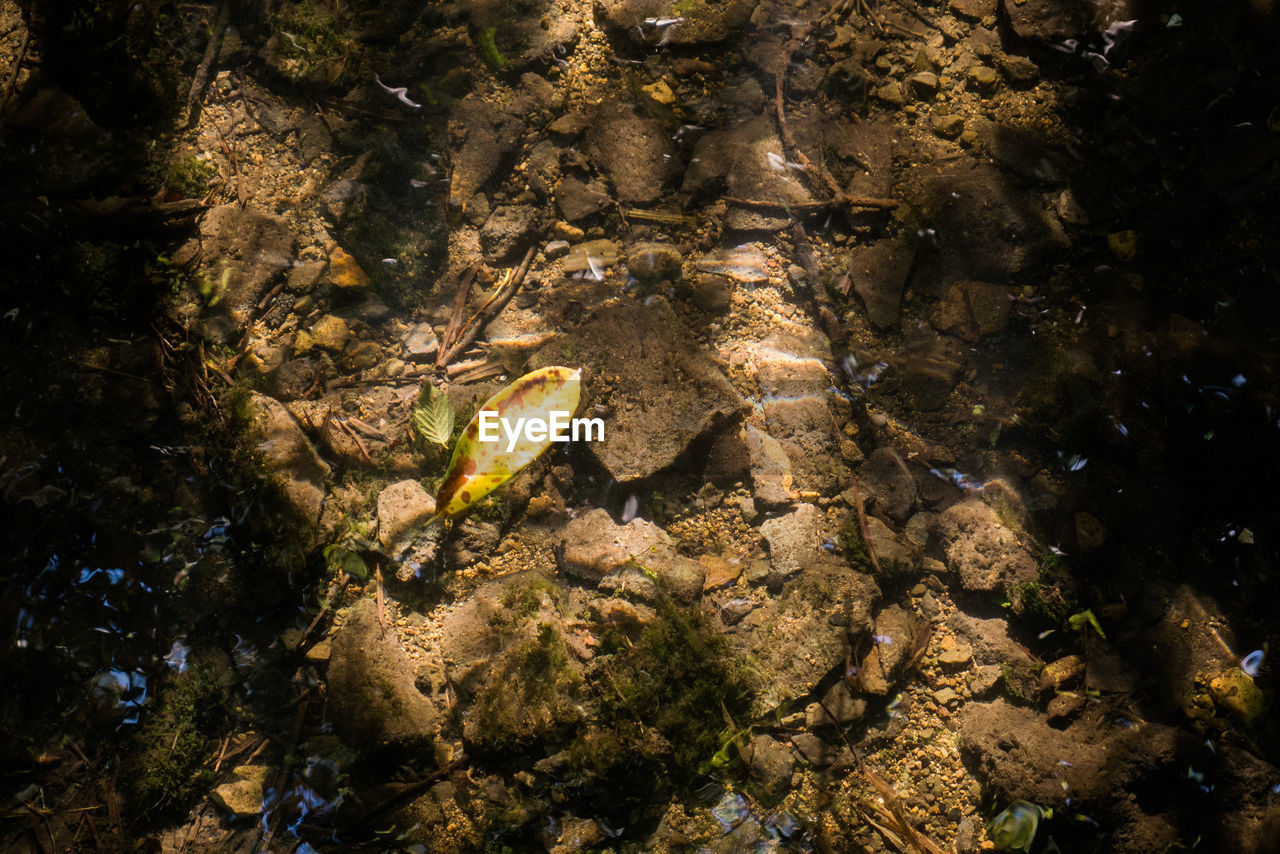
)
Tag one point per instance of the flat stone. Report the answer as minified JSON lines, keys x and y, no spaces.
{"x":816,"y":752}
{"x":987,"y":226}
{"x":401,"y":507}
{"x":635,"y":152}
{"x":652,"y":262}
{"x":957,"y":657}
{"x":343,"y":200}
{"x":894,"y":640}
{"x":420,"y":343}
{"x":771,"y":765}
{"x":886,"y":478}
{"x":878,"y":274}
{"x":699,"y":22}
{"x":592,"y":256}
{"x":288,"y":458}
{"x":1062,"y":673}
{"x":771,"y":479}
{"x":891,"y":93}
{"x":973,"y":10}
{"x":984,"y":79}
{"x":484,"y":136}
{"x":509,"y":231}
{"x":245,"y":249}
{"x":984,"y":554}
{"x":372,"y":694}
{"x":945,"y":696}
{"x":973,"y":310}
{"x":244,"y":795}
{"x":923,"y":84}
{"x":798,"y":638}
{"x":647,"y":353}
{"x":330,"y":333}
{"x":1048,"y":22}
{"x":578,"y":200}
{"x":594,"y":545}
{"x":795,"y":540}
{"x":948,"y":127}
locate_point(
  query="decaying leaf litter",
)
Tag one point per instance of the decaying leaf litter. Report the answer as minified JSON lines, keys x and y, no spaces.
{"x":805,"y":556}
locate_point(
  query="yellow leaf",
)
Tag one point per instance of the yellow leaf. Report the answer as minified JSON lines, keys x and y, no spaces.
{"x":479,"y":467}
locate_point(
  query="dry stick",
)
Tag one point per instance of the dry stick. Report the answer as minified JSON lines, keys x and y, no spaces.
{"x":910,"y":835}
{"x":810,"y":207}
{"x":210,"y":53}
{"x":364,"y":450}
{"x":454,"y":326}
{"x":334,"y":589}
{"x":491,"y":310}
{"x":17,"y":70}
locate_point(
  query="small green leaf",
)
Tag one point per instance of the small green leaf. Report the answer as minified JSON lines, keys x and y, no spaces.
{"x":1083,"y":619}
{"x":433,"y":418}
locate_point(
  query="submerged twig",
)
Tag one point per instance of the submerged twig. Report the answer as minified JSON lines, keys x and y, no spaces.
{"x":202,"y":73}
{"x":904,"y":828}
{"x":491,"y":309}
{"x":862,"y":527}
{"x":454,"y":326}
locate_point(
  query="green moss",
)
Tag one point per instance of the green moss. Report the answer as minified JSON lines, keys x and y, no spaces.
{"x":164,"y":762}
{"x":488,"y":49}
{"x":680,"y":679}
{"x":524,"y":600}
{"x":534,"y":687}
{"x":188,"y":177}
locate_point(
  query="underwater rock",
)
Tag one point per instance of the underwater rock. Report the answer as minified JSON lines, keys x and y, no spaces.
{"x":635,"y":152}
{"x":984,"y":554}
{"x":838,"y":708}
{"x":595,"y":546}
{"x":888,"y":481}
{"x":894,"y":641}
{"x":1048,"y":22}
{"x":372,"y":694}
{"x":799,"y":638}
{"x":330,"y":332}
{"x":420,"y":343}
{"x":402,"y":506}
{"x":246,"y":249}
{"x":578,"y":200}
{"x":878,"y":274}
{"x":1235,"y":693}
{"x":594,"y":257}
{"x":508,"y":231}
{"x":648,"y":355}
{"x":771,"y":478}
{"x":344,"y":200}
{"x":795,"y":540}
{"x":1019,"y":756}
{"x":289,"y":458}
{"x":244,"y":795}
{"x":484,"y":135}
{"x":652,"y":262}
{"x":771,"y":765}
{"x":973,"y":310}
{"x":987,"y":227}
{"x":651,"y":21}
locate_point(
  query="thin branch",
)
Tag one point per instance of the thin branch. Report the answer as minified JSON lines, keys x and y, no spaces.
{"x":491,"y":309}
{"x":202,"y":73}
